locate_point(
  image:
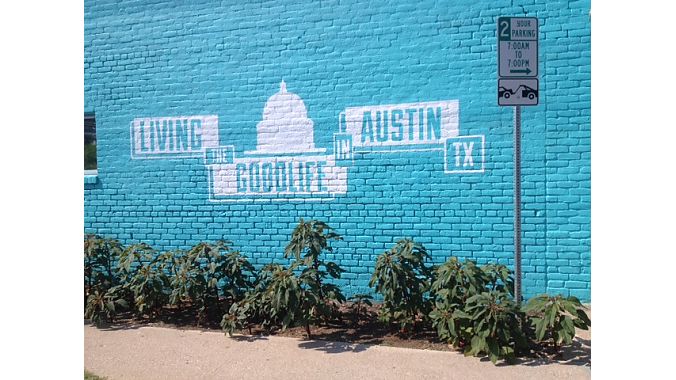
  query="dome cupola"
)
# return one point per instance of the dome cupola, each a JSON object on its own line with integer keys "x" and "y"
{"x": 285, "y": 127}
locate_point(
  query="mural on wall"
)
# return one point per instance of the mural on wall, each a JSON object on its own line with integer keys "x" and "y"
{"x": 426, "y": 126}
{"x": 286, "y": 164}
{"x": 173, "y": 137}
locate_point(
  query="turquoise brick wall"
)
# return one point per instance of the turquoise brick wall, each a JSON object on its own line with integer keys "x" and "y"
{"x": 165, "y": 59}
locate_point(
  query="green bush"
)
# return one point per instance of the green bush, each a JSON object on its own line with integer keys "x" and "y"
{"x": 555, "y": 318}
{"x": 319, "y": 298}
{"x": 474, "y": 309}
{"x": 205, "y": 274}
{"x": 100, "y": 256}
{"x": 494, "y": 326}
{"x": 287, "y": 300}
{"x": 103, "y": 305}
{"x": 299, "y": 294}
{"x": 255, "y": 308}
{"x": 402, "y": 278}
{"x": 100, "y": 279}
{"x": 453, "y": 284}
{"x": 143, "y": 273}
{"x": 498, "y": 278}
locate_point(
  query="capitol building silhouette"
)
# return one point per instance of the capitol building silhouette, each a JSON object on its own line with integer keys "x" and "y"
{"x": 285, "y": 127}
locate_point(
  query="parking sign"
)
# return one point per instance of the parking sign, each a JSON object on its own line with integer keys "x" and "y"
{"x": 518, "y": 61}
{"x": 518, "y": 47}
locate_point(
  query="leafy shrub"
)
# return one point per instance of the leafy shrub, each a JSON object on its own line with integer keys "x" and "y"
{"x": 474, "y": 309}
{"x": 494, "y": 322}
{"x": 100, "y": 280}
{"x": 103, "y": 305}
{"x": 299, "y": 294}
{"x": 402, "y": 278}
{"x": 498, "y": 278}
{"x": 308, "y": 241}
{"x": 555, "y": 318}
{"x": 285, "y": 300}
{"x": 205, "y": 273}
{"x": 255, "y": 307}
{"x": 447, "y": 319}
{"x": 320, "y": 299}
{"x": 238, "y": 271}
{"x": 100, "y": 255}
{"x": 454, "y": 283}
{"x": 143, "y": 273}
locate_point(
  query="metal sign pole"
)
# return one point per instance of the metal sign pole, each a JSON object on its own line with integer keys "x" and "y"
{"x": 518, "y": 86}
{"x": 517, "y": 204}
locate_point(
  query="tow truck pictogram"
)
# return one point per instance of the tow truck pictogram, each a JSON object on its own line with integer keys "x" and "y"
{"x": 525, "y": 92}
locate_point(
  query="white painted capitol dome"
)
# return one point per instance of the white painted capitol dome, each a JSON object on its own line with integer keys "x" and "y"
{"x": 285, "y": 127}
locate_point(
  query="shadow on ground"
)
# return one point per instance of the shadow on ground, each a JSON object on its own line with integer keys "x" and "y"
{"x": 334, "y": 340}
{"x": 578, "y": 354}
{"x": 333, "y": 347}
{"x": 171, "y": 317}
{"x": 112, "y": 326}
{"x": 248, "y": 338}
{"x": 341, "y": 337}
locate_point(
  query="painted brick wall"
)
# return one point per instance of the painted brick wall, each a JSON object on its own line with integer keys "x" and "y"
{"x": 146, "y": 59}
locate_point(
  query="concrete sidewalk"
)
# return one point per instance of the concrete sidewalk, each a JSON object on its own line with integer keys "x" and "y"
{"x": 166, "y": 353}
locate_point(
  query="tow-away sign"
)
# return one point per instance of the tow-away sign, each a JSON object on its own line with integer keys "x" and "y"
{"x": 518, "y": 47}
